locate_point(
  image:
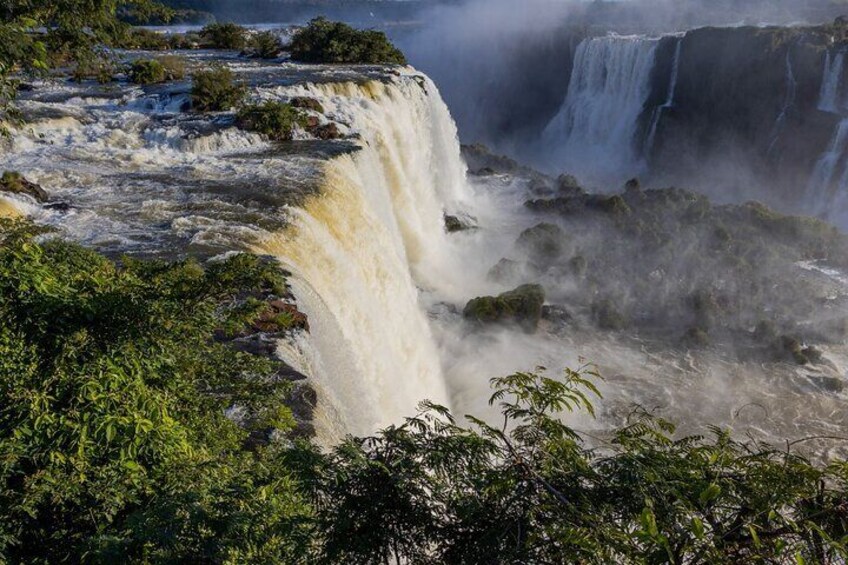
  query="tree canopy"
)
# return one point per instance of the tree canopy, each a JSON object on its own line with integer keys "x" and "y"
{"x": 121, "y": 440}
{"x": 323, "y": 41}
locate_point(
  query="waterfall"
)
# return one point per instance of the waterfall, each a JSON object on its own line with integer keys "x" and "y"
{"x": 830, "y": 88}
{"x": 823, "y": 186}
{"x": 824, "y": 173}
{"x": 669, "y": 101}
{"x": 593, "y": 133}
{"x": 788, "y": 102}
{"x": 361, "y": 248}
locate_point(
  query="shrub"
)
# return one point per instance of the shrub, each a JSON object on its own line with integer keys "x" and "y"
{"x": 224, "y": 36}
{"x": 100, "y": 70}
{"x": 274, "y": 119}
{"x": 184, "y": 41}
{"x": 114, "y": 442}
{"x": 144, "y": 39}
{"x": 265, "y": 45}
{"x": 152, "y": 71}
{"x": 149, "y": 71}
{"x": 216, "y": 90}
{"x": 323, "y": 41}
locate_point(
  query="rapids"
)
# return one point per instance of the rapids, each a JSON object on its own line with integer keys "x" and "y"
{"x": 360, "y": 224}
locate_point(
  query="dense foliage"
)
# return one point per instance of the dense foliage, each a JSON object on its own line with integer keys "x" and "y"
{"x": 115, "y": 446}
{"x": 216, "y": 90}
{"x": 38, "y": 34}
{"x": 152, "y": 71}
{"x": 323, "y": 41}
{"x": 276, "y": 120}
{"x": 224, "y": 36}
{"x": 265, "y": 45}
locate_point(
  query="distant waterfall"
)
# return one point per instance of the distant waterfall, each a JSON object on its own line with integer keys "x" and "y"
{"x": 827, "y": 186}
{"x": 788, "y": 101}
{"x": 669, "y": 101}
{"x": 593, "y": 133}
{"x": 829, "y": 96}
{"x": 361, "y": 247}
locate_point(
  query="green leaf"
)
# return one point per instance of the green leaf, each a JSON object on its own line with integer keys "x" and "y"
{"x": 709, "y": 494}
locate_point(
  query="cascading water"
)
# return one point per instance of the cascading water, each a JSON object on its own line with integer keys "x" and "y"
{"x": 593, "y": 133}
{"x": 363, "y": 244}
{"x": 826, "y": 186}
{"x": 669, "y": 102}
{"x": 829, "y": 100}
{"x": 788, "y": 102}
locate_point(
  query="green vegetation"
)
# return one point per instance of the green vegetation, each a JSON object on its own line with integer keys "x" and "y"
{"x": 152, "y": 71}
{"x": 265, "y": 45}
{"x": 114, "y": 444}
{"x": 216, "y": 90}
{"x": 276, "y": 120}
{"x": 35, "y": 36}
{"x": 522, "y": 306}
{"x": 144, "y": 39}
{"x": 323, "y": 41}
{"x": 224, "y": 36}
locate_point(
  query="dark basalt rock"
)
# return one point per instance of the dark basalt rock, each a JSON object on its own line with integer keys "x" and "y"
{"x": 544, "y": 243}
{"x": 326, "y": 131}
{"x": 455, "y": 224}
{"x": 506, "y": 270}
{"x": 15, "y": 183}
{"x": 522, "y": 306}
{"x": 608, "y": 316}
{"x": 305, "y": 103}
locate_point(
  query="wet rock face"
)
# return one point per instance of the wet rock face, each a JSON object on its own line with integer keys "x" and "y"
{"x": 522, "y": 306}
{"x": 746, "y": 99}
{"x": 15, "y": 183}
{"x": 543, "y": 244}
{"x": 305, "y": 103}
{"x": 669, "y": 265}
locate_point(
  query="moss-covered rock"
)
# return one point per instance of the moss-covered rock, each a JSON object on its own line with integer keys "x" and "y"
{"x": 608, "y": 316}
{"x": 522, "y": 306}
{"x": 15, "y": 183}
{"x": 306, "y": 103}
{"x": 543, "y": 243}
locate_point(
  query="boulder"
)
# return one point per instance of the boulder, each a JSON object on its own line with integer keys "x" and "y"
{"x": 306, "y": 103}
{"x": 15, "y": 183}
{"x": 568, "y": 186}
{"x": 522, "y": 306}
{"x": 455, "y": 224}
{"x": 544, "y": 243}
{"x": 608, "y": 316}
{"x": 505, "y": 270}
{"x": 326, "y": 131}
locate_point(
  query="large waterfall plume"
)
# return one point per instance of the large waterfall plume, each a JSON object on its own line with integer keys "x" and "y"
{"x": 594, "y": 132}
{"x": 361, "y": 248}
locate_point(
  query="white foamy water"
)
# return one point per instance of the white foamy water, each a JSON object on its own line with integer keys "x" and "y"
{"x": 598, "y": 120}
{"x": 361, "y": 248}
{"x": 363, "y": 233}
{"x": 830, "y": 94}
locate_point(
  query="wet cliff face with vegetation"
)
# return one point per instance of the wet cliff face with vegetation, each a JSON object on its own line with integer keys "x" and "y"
{"x": 146, "y": 414}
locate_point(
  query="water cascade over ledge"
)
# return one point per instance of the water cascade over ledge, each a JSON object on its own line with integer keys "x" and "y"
{"x": 361, "y": 247}
{"x": 599, "y": 117}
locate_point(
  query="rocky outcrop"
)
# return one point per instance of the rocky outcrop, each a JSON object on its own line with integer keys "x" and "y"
{"x": 15, "y": 183}
{"x": 522, "y": 306}
{"x": 744, "y": 112}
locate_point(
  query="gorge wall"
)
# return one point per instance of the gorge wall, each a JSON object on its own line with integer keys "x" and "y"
{"x": 737, "y": 113}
